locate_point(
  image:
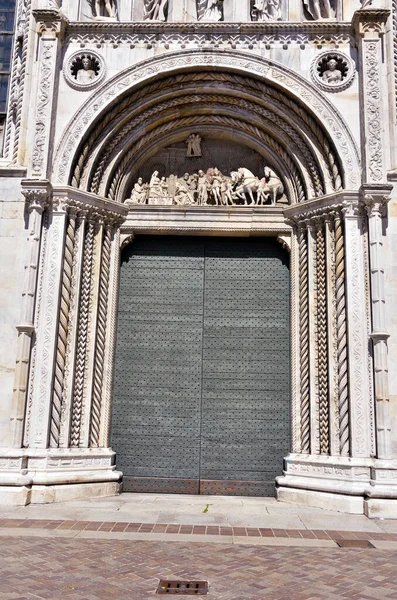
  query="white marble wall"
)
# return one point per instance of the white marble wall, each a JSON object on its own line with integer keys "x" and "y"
{"x": 12, "y": 252}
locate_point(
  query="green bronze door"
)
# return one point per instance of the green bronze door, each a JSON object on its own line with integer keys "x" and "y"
{"x": 201, "y": 398}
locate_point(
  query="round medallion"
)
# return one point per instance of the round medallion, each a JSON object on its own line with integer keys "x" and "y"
{"x": 84, "y": 70}
{"x": 332, "y": 71}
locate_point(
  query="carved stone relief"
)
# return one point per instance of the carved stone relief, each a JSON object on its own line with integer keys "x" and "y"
{"x": 211, "y": 187}
{"x": 333, "y": 71}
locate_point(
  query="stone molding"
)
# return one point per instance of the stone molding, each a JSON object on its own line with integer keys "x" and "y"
{"x": 212, "y": 35}
{"x": 179, "y": 61}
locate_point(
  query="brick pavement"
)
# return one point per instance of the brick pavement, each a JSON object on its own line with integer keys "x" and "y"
{"x": 156, "y": 528}
{"x": 80, "y": 569}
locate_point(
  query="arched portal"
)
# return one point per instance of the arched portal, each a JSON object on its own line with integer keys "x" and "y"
{"x": 144, "y": 115}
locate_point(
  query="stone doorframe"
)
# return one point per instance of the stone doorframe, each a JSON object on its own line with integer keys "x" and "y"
{"x": 340, "y": 447}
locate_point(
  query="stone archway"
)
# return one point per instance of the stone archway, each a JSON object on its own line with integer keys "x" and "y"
{"x": 284, "y": 119}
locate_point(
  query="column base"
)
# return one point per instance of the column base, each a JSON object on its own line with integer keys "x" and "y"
{"x": 15, "y": 495}
{"x": 353, "y": 505}
{"x": 37, "y": 476}
{"x": 46, "y": 494}
{"x": 350, "y": 485}
{"x": 380, "y": 508}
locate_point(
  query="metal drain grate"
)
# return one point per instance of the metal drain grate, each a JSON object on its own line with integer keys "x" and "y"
{"x": 354, "y": 544}
{"x": 189, "y": 588}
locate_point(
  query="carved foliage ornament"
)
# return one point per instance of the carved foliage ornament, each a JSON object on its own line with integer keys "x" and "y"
{"x": 333, "y": 71}
{"x": 84, "y": 70}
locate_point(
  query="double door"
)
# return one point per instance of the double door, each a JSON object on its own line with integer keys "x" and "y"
{"x": 201, "y": 398}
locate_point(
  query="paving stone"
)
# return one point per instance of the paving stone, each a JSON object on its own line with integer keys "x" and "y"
{"x": 82, "y": 569}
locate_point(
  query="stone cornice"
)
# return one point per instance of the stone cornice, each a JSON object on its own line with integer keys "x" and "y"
{"x": 258, "y": 28}
{"x": 320, "y": 206}
{"x": 284, "y": 33}
{"x": 91, "y": 204}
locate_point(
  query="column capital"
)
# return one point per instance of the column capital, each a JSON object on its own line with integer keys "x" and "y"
{"x": 51, "y": 23}
{"x": 37, "y": 194}
{"x": 375, "y": 198}
{"x": 370, "y": 22}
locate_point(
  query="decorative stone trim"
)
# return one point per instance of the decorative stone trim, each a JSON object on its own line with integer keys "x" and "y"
{"x": 75, "y": 65}
{"x": 211, "y": 35}
{"x": 344, "y": 65}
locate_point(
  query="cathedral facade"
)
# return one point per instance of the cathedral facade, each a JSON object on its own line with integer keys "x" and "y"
{"x": 198, "y": 232}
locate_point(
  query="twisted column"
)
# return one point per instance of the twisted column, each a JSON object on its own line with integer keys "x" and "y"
{"x": 82, "y": 335}
{"x": 343, "y": 388}
{"x": 96, "y": 406}
{"x": 111, "y": 338}
{"x": 62, "y": 332}
{"x": 322, "y": 340}
{"x": 304, "y": 339}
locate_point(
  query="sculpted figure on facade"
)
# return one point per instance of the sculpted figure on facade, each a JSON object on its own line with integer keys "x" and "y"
{"x": 209, "y": 188}
{"x": 266, "y": 10}
{"x": 210, "y": 10}
{"x": 86, "y": 73}
{"x": 193, "y": 146}
{"x": 105, "y": 9}
{"x": 155, "y": 10}
{"x": 333, "y": 74}
{"x": 320, "y": 9}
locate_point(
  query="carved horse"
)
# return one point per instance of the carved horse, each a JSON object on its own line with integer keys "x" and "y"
{"x": 245, "y": 184}
{"x": 271, "y": 186}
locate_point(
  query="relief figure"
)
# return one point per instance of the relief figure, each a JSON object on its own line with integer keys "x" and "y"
{"x": 320, "y": 9}
{"x": 86, "y": 73}
{"x": 210, "y": 10}
{"x": 155, "y": 10}
{"x": 104, "y": 9}
{"x": 333, "y": 74}
{"x": 209, "y": 188}
{"x": 266, "y": 10}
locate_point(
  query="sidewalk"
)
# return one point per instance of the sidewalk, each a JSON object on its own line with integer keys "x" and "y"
{"x": 221, "y": 519}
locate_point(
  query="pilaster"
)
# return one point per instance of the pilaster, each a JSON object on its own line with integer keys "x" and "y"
{"x": 50, "y": 29}
{"x": 47, "y": 328}
{"x": 36, "y": 194}
{"x": 375, "y": 199}
{"x": 359, "y": 389}
{"x": 369, "y": 24}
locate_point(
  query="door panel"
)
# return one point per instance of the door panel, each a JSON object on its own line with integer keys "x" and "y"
{"x": 201, "y": 400}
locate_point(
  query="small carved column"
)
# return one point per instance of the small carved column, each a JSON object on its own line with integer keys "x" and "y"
{"x": 36, "y": 198}
{"x": 322, "y": 336}
{"x": 304, "y": 372}
{"x": 111, "y": 328}
{"x": 341, "y": 338}
{"x": 51, "y": 25}
{"x": 376, "y": 208}
{"x": 369, "y": 24}
{"x": 334, "y": 445}
{"x": 313, "y": 337}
